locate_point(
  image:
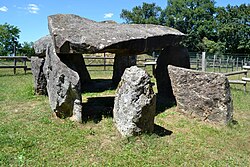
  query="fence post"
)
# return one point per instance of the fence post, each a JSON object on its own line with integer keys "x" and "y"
{"x": 233, "y": 63}
{"x": 203, "y": 61}
{"x": 227, "y": 64}
{"x": 14, "y": 50}
{"x": 25, "y": 66}
{"x": 197, "y": 62}
{"x": 237, "y": 63}
{"x": 14, "y": 65}
{"x": 104, "y": 61}
{"x": 245, "y": 62}
{"x": 214, "y": 62}
{"x": 220, "y": 65}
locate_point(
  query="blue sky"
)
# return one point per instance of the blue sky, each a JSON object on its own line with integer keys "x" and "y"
{"x": 30, "y": 16}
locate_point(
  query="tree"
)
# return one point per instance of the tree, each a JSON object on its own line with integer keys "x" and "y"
{"x": 194, "y": 18}
{"x": 9, "y": 36}
{"x": 233, "y": 28}
{"x": 209, "y": 28}
{"x": 145, "y": 14}
{"x": 213, "y": 47}
{"x": 27, "y": 49}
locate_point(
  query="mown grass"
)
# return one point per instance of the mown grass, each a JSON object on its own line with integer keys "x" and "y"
{"x": 30, "y": 136}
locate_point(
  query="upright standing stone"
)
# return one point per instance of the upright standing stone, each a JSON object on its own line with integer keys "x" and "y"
{"x": 172, "y": 55}
{"x": 134, "y": 107}
{"x": 38, "y": 75}
{"x": 121, "y": 62}
{"x": 202, "y": 94}
{"x": 63, "y": 85}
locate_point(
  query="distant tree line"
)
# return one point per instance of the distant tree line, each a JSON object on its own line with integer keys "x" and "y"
{"x": 209, "y": 28}
{"x": 9, "y": 44}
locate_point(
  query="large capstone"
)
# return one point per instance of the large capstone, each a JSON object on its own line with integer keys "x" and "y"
{"x": 201, "y": 94}
{"x": 38, "y": 75}
{"x": 74, "y": 34}
{"x": 172, "y": 55}
{"x": 134, "y": 106}
{"x": 63, "y": 86}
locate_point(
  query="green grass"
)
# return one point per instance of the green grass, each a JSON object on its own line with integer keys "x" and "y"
{"x": 30, "y": 136}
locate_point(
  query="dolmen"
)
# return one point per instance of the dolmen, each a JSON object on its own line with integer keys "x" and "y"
{"x": 60, "y": 62}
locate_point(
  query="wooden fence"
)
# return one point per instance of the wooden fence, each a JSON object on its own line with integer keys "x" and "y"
{"x": 92, "y": 61}
{"x": 215, "y": 64}
{"x": 15, "y": 59}
{"x": 103, "y": 62}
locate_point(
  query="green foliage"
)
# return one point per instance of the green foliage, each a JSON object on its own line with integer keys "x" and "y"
{"x": 209, "y": 28}
{"x": 27, "y": 49}
{"x": 213, "y": 47}
{"x": 192, "y": 17}
{"x": 233, "y": 28}
{"x": 145, "y": 14}
{"x": 9, "y": 35}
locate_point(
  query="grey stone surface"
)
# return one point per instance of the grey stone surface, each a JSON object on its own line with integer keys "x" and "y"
{"x": 63, "y": 86}
{"x": 121, "y": 62}
{"x": 172, "y": 55}
{"x": 41, "y": 44}
{"x": 135, "y": 103}
{"x": 203, "y": 95}
{"x": 38, "y": 75}
{"x": 77, "y": 63}
{"x": 74, "y": 34}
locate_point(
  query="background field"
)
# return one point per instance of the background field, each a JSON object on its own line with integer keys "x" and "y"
{"x": 30, "y": 136}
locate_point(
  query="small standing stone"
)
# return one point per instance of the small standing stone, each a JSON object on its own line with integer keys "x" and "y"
{"x": 121, "y": 62}
{"x": 201, "y": 94}
{"x": 135, "y": 103}
{"x": 38, "y": 75}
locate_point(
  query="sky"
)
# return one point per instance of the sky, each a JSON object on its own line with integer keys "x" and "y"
{"x": 30, "y": 16}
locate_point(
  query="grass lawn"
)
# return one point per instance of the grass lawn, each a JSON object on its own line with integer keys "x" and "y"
{"x": 30, "y": 136}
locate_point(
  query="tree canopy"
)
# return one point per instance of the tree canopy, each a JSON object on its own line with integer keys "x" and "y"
{"x": 145, "y": 14}
{"x": 27, "y": 49}
{"x": 9, "y": 35}
{"x": 209, "y": 28}
{"x": 9, "y": 43}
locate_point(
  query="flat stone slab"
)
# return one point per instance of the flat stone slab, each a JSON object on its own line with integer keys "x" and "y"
{"x": 74, "y": 34}
{"x": 203, "y": 95}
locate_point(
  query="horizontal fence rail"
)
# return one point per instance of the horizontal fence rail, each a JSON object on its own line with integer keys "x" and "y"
{"x": 15, "y": 60}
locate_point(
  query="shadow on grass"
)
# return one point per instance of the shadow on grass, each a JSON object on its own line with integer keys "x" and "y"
{"x": 161, "y": 132}
{"x": 163, "y": 103}
{"x": 99, "y": 85}
{"x": 98, "y": 107}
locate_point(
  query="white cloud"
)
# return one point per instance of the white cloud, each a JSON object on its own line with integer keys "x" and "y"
{"x": 33, "y": 8}
{"x": 108, "y": 15}
{"x": 3, "y": 9}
